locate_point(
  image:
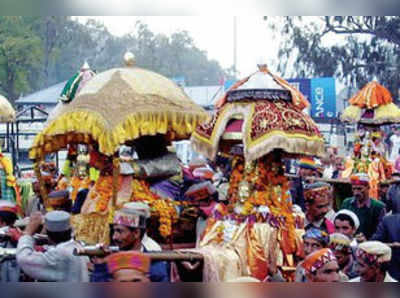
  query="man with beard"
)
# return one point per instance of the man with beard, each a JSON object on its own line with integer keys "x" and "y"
{"x": 321, "y": 266}
{"x": 129, "y": 234}
{"x": 372, "y": 262}
{"x": 369, "y": 211}
{"x": 317, "y": 197}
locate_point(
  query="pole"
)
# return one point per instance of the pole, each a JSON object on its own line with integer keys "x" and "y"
{"x": 235, "y": 44}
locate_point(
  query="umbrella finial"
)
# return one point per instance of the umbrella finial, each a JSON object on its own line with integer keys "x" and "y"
{"x": 129, "y": 59}
{"x": 85, "y": 66}
{"x": 262, "y": 64}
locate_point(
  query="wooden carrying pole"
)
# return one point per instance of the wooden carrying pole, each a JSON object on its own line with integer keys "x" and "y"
{"x": 116, "y": 172}
{"x": 38, "y": 173}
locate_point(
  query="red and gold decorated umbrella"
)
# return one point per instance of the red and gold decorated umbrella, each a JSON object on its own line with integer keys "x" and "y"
{"x": 373, "y": 104}
{"x": 263, "y": 119}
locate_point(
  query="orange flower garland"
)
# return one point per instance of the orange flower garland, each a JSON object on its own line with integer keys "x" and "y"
{"x": 163, "y": 208}
{"x": 269, "y": 188}
{"x": 77, "y": 184}
{"x": 103, "y": 190}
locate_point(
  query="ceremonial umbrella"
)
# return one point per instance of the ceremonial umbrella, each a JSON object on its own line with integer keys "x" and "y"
{"x": 7, "y": 112}
{"x": 264, "y": 113}
{"x": 120, "y": 105}
{"x": 372, "y": 105}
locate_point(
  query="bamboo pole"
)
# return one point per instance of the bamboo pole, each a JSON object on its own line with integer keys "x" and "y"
{"x": 116, "y": 172}
{"x": 43, "y": 191}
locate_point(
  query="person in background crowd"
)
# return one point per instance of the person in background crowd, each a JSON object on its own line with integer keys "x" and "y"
{"x": 339, "y": 168}
{"x": 129, "y": 266}
{"x": 382, "y": 191}
{"x": 58, "y": 263}
{"x": 340, "y": 245}
{"x": 397, "y": 163}
{"x": 317, "y": 200}
{"x": 9, "y": 270}
{"x": 35, "y": 202}
{"x": 347, "y": 223}
{"x": 313, "y": 240}
{"x": 372, "y": 262}
{"x": 129, "y": 234}
{"x": 369, "y": 211}
{"x": 59, "y": 200}
{"x": 321, "y": 266}
{"x": 307, "y": 168}
{"x": 393, "y": 195}
{"x": 395, "y": 145}
{"x": 389, "y": 232}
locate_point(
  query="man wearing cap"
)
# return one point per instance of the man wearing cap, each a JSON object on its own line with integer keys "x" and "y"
{"x": 393, "y": 195}
{"x": 59, "y": 200}
{"x": 389, "y": 232}
{"x": 307, "y": 168}
{"x": 372, "y": 262}
{"x": 58, "y": 263}
{"x": 9, "y": 270}
{"x": 129, "y": 234}
{"x": 129, "y": 266}
{"x": 313, "y": 240}
{"x": 340, "y": 245}
{"x": 318, "y": 197}
{"x": 321, "y": 266}
{"x": 347, "y": 223}
{"x": 369, "y": 211}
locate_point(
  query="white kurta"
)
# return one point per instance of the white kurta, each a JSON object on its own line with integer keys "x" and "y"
{"x": 56, "y": 264}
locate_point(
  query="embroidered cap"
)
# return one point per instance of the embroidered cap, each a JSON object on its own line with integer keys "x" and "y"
{"x": 128, "y": 260}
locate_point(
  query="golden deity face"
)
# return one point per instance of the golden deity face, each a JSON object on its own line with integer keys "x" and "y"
{"x": 244, "y": 191}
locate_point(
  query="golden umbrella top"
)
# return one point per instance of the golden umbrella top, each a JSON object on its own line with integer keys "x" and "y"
{"x": 120, "y": 105}
{"x": 7, "y": 112}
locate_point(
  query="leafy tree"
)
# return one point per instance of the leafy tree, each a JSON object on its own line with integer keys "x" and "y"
{"x": 353, "y": 49}
{"x": 20, "y": 56}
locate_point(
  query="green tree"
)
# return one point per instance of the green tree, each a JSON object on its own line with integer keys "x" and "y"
{"x": 20, "y": 56}
{"x": 353, "y": 49}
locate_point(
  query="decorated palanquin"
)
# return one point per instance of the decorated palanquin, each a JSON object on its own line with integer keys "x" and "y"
{"x": 9, "y": 189}
{"x": 260, "y": 123}
{"x": 370, "y": 108}
{"x": 122, "y": 106}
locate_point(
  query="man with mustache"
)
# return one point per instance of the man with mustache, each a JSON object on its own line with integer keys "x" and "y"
{"x": 129, "y": 234}
{"x": 369, "y": 211}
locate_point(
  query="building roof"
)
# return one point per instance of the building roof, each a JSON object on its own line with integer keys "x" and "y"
{"x": 48, "y": 96}
{"x": 202, "y": 95}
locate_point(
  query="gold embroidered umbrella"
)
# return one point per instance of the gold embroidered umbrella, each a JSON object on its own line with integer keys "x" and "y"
{"x": 120, "y": 105}
{"x": 7, "y": 112}
{"x": 263, "y": 113}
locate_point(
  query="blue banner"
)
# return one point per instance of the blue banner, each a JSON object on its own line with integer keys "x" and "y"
{"x": 323, "y": 98}
{"x": 303, "y": 85}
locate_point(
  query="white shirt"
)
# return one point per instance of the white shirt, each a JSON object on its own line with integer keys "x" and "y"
{"x": 395, "y": 140}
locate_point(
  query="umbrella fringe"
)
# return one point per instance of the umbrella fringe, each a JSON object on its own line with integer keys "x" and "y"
{"x": 89, "y": 123}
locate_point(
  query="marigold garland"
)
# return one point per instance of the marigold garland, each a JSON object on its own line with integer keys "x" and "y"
{"x": 103, "y": 190}
{"x": 77, "y": 184}
{"x": 161, "y": 207}
{"x": 269, "y": 188}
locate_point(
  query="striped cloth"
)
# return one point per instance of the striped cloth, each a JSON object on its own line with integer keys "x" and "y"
{"x": 7, "y": 192}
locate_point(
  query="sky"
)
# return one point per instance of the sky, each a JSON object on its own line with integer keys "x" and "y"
{"x": 213, "y": 34}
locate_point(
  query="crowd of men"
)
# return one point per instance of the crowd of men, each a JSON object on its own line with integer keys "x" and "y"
{"x": 358, "y": 241}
